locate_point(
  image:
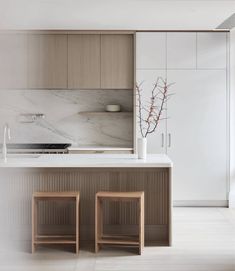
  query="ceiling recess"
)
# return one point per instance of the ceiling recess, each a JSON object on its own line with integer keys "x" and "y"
{"x": 228, "y": 23}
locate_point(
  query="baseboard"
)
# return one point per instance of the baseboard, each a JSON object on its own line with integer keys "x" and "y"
{"x": 201, "y": 203}
{"x": 231, "y": 200}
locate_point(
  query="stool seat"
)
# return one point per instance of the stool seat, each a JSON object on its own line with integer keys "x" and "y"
{"x": 124, "y": 240}
{"x": 125, "y": 195}
{"x": 56, "y": 194}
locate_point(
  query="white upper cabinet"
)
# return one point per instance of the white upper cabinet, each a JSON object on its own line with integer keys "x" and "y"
{"x": 181, "y": 50}
{"x": 211, "y": 50}
{"x": 151, "y": 50}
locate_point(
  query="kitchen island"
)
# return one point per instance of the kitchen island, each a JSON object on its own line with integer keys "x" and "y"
{"x": 22, "y": 175}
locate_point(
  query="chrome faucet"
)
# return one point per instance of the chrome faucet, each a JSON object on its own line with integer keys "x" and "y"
{"x": 6, "y": 133}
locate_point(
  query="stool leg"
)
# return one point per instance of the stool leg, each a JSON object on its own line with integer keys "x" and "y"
{"x": 101, "y": 220}
{"x": 34, "y": 222}
{"x": 97, "y": 211}
{"x": 141, "y": 224}
{"x": 98, "y": 223}
{"x": 77, "y": 225}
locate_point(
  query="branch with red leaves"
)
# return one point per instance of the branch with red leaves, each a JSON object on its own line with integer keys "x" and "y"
{"x": 150, "y": 112}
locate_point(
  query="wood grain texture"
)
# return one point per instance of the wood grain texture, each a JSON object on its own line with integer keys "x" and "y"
{"x": 84, "y": 61}
{"x": 120, "y": 195}
{"x": 47, "y": 61}
{"x": 141, "y": 224}
{"x": 17, "y": 187}
{"x": 117, "y": 61}
{"x": 40, "y": 60}
{"x": 53, "y": 195}
{"x": 56, "y": 197}
{"x": 126, "y": 240}
{"x": 13, "y": 61}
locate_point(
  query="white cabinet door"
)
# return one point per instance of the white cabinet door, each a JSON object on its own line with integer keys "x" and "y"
{"x": 211, "y": 50}
{"x": 197, "y": 124}
{"x": 181, "y": 50}
{"x": 156, "y": 141}
{"x": 151, "y": 50}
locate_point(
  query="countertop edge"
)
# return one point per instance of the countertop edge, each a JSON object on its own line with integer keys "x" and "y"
{"x": 88, "y": 161}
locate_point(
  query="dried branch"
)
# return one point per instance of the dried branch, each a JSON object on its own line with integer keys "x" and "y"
{"x": 140, "y": 109}
{"x": 154, "y": 106}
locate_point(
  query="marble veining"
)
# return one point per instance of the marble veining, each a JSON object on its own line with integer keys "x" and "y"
{"x": 62, "y": 123}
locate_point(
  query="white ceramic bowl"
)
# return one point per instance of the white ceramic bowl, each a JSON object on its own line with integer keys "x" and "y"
{"x": 113, "y": 107}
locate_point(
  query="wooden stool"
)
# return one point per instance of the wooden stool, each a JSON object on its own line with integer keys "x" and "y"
{"x": 54, "y": 239}
{"x": 125, "y": 240}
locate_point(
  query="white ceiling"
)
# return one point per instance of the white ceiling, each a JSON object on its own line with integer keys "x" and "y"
{"x": 114, "y": 14}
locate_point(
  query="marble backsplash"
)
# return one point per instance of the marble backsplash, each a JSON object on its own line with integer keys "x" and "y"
{"x": 62, "y": 122}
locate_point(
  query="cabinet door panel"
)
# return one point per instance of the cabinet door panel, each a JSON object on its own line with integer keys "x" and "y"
{"x": 181, "y": 50}
{"x": 156, "y": 141}
{"x": 47, "y": 61}
{"x": 197, "y": 124}
{"x": 211, "y": 50}
{"x": 83, "y": 61}
{"x": 117, "y": 61}
{"x": 151, "y": 50}
{"x": 13, "y": 61}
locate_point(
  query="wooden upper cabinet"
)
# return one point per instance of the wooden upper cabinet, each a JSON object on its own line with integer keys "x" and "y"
{"x": 47, "y": 61}
{"x": 84, "y": 61}
{"x": 61, "y": 61}
{"x": 13, "y": 61}
{"x": 117, "y": 61}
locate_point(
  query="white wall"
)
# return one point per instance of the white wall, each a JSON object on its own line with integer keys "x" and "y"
{"x": 232, "y": 119}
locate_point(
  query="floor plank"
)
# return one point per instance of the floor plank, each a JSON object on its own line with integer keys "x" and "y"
{"x": 203, "y": 240}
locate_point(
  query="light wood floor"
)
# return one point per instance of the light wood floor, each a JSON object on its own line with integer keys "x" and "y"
{"x": 204, "y": 239}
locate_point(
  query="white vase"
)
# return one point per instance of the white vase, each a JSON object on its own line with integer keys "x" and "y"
{"x": 142, "y": 148}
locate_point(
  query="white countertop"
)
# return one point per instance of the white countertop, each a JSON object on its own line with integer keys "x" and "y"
{"x": 98, "y": 148}
{"x": 86, "y": 161}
